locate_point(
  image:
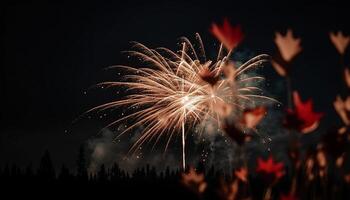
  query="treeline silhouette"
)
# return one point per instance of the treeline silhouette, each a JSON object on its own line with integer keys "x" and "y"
{"x": 149, "y": 183}
{"x": 142, "y": 182}
{"x": 46, "y": 172}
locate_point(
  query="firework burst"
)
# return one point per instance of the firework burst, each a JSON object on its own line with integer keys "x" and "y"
{"x": 174, "y": 91}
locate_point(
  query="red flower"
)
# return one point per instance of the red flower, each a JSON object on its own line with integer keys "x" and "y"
{"x": 227, "y": 34}
{"x": 270, "y": 167}
{"x": 303, "y": 118}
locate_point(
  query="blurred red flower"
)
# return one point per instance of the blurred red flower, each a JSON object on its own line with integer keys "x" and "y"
{"x": 302, "y": 118}
{"x": 227, "y": 34}
{"x": 270, "y": 167}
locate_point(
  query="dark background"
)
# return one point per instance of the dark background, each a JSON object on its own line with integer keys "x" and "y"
{"x": 53, "y": 52}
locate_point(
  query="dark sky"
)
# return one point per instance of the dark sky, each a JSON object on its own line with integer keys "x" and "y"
{"x": 52, "y": 53}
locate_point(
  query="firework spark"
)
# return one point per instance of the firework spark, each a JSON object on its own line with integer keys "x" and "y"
{"x": 177, "y": 90}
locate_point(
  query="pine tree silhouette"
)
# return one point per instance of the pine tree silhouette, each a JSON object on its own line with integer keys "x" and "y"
{"x": 65, "y": 175}
{"x": 29, "y": 171}
{"x": 82, "y": 173}
{"x": 6, "y": 172}
{"x": 46, "y": 169}
{"x": 115, "y": 173}
{"x": 102, "y": 174}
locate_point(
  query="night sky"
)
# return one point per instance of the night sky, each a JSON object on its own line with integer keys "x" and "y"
{"x": 52, "y": 54}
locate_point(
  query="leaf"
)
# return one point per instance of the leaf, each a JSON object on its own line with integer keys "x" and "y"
{"x": 302, "y": 118}
{"x": 252, "y": 117}
{"x": 230, "y": 36}
{"x": 281, "y": 70}
{"x": 270, "y": 167}
{"x": 242, "y": 174}
{"x": 288, "y": 45}
{"x": 347, "y": 76}
{"x": 342, "y": 107}
{"x": 340, "y": 41}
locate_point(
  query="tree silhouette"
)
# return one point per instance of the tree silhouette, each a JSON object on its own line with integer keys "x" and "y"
{"x": 65, "y": 175}
{"x": 29, "y": 171}
{"x": 46, "y": 170}
{"x": 102, "y": 174}
{"x": 6, "y": 172}
{"x": 82, "y": 173}
{"x": 115, "y": 173}
{"x": 147, "y": 178}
